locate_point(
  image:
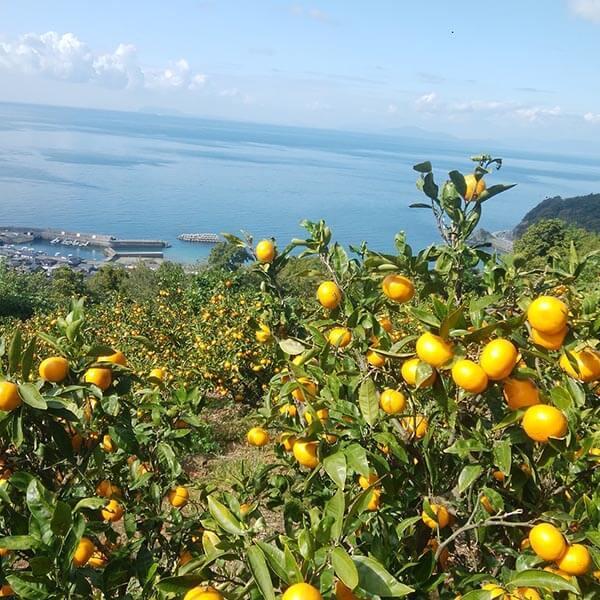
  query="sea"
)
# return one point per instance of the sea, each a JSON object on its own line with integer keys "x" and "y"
{"x": 139, "y": 175}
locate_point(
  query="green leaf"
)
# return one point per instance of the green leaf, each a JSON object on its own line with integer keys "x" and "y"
{"x": 468, "y": 476}
{"x": 27, "y": 360}
{"x": 223, "y": 516}
{"x": 260, "y": 572}
{"x": 335, "y": 467}
{"x": 276, "y": 559}
{"x": 62, "y": 519}
{"x": 344, "y": 567}
{"x": 180, "y": 584}
{"x": 92, "y": 503}
{"x": 357, "y": 459}
{"x": 290, "y": 346}
{"x": 14, "y": 352}
{"x": 167, "y": 458}
{"x": 458, "y": 179}
{"x": 32, "y": 396}
{"x": 367, "y": 400}
{"x": 542, "y": 579}
{"x": 18, "y": 542}
{"x": 503, "y": 456}
{"x": 26, "y": 586}
{"x": 375, "y": 579}
{"x": 334, "y": 508}
{"x": 424, "y": 167}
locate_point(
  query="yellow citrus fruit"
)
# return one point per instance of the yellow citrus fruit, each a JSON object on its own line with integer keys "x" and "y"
{"x": 322, "y": 415}
{"x": 375, "y": 359}
{"x": 498, "y": 358}
{"x": 542, "y": 422}
{"x": 106, "y": 489}
{"x": 263, "y": 334}
{"x": 528, "y": 593}
{"x": 547, "y": 541}
{"x": 398, "y": 288}
{"x": 305, "y": 452}
{"x": 309, "y": 388}
{"x": 107, "y": 444}
{"x": 550, "y": 341}
{"x": 288, "y": 410}
{"x": 9, "y": 396}
{"x": 416, "y": 425}
{"x": 178, "y": 497}
{"x": 442, "y": 517}
{"x": 495, "y": 590}
{"x": 366, "y": 482}
{"x": 265, "y": 251}
{"x": 374, "y": 500}
{"x": 258, "y": 437}
{"x": 474, "y": 187}
{"x": 548, "y": 314}
{"x": 487, "y": 504}
{"x": 158, "y": 373}
{"x": 287, "y": 441}
{"x": 576, "y": 560}
{"x": 54, "y": 369}
{"x": 498, "y": 476}
{"x": 97, "y": 560}
{"x": 302, "y": 591}
{"x": 434, "y": 350}
{"x": 343, "y": 593}
{"x": 339, "y": 337}
{"x": 99, "y": 376}
{"x": 118, "y": 358}
{"x": 409, "y": 373}
{"x": 588, "y": 365}
{"x": 392, "y": 401}
{"x": 202, "y": 592}
{"x": 469, "y": 376}
{"x": 520, "y": 393}
{"x": 112, "y": 512}
{"x": 329, "y": 295}
{"x": 83, "y": 552}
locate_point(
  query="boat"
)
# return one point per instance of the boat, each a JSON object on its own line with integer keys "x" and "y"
{"x": 200, "y": 238}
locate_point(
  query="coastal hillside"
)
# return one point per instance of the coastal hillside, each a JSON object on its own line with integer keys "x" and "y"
{"x": 583, "y": 211}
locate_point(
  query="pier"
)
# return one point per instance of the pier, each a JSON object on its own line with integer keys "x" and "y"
{"x": 199, "y": 238}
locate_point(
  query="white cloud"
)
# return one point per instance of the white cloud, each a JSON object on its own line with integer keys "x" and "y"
{"x": 431, "y": 103}
{"x": 591, "y": 117}
{"x": 65, "y": 57}
{"x": 586, "y": 9}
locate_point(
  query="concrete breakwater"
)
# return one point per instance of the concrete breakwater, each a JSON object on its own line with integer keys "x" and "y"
{"x": 20, "y": 235}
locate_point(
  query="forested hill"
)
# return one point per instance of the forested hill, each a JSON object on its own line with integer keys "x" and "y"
{"x": 583, "y": 211}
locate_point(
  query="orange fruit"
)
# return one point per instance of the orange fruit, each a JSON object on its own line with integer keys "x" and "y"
{"x": 547, "y": 541}
{"x": 107, "y": 444}
{"x": 112, "y": 512}
{"x": 386, "y": 324}
{"x": 329, "y": 295}
{"x": 398, "y": 288}
{"x": 528, "y": 593}
{"x": 442, "y": 517}
{"x": 498, "y": 358}
{"x": 54, "y": 369}
{"x": 520, "y": 393}
{"x": 97, "y": 560}
{"x": 158, "y": 373}
{"x": 434, "y": 350}
{"x": 366, "y": 482}
{"x": 409, "y": 373}
{"x": 257, "y": 436}
{"x": 495, "y": 590}
{"x": 6, "y": 591}
{"x": 563, "y": 574}
{"x": 99, "y": 376}
{"x": 202, "y": 592}
{"x": 287, "y": 441}
{"x": 265, "y": 251}
{"x": 302, "y": 591}
{"x": 486, "y": 503}
{"x": 118, "y": 358}
{"x": 375, "y": 359}
{"x": 106, "y": 489}
{"x": 474, "y": 187}
{"x": 288, "y": 410}
{"x": 305, "y": 452}
{"x": 9, "y": 396}
{"x": 542, "y": 422}
{"x": 374, "y": 500}
{"x": 548, "y": 314}
{"x": 392, "y": 401}
{"x": 309, "y": 388}
{"x": 83, "y": 552}
{"x": 416, "y": 425}
{"x": 263, "y": 334}
{"x": 339, "y": 337}
{"x": 588, "y": 365}
{"x": 178, "y": 497}
{"x": 576, "y": 560}
{"x": 322, "y": 415}
{"x": 469, "y": 376}
{"x": 498, "y": 476}
{"x": 550, "y": 341}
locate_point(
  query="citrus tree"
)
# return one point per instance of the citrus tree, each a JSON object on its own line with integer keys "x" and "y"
{"x": 435, "y": 421}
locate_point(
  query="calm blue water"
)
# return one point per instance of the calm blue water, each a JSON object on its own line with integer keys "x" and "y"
{"x": 146, "y": 176}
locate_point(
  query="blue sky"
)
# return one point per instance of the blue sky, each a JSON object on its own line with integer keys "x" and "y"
{"x": 511, "y": 69}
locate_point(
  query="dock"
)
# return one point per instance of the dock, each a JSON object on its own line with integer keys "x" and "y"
{"x": 199, "y": 238}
